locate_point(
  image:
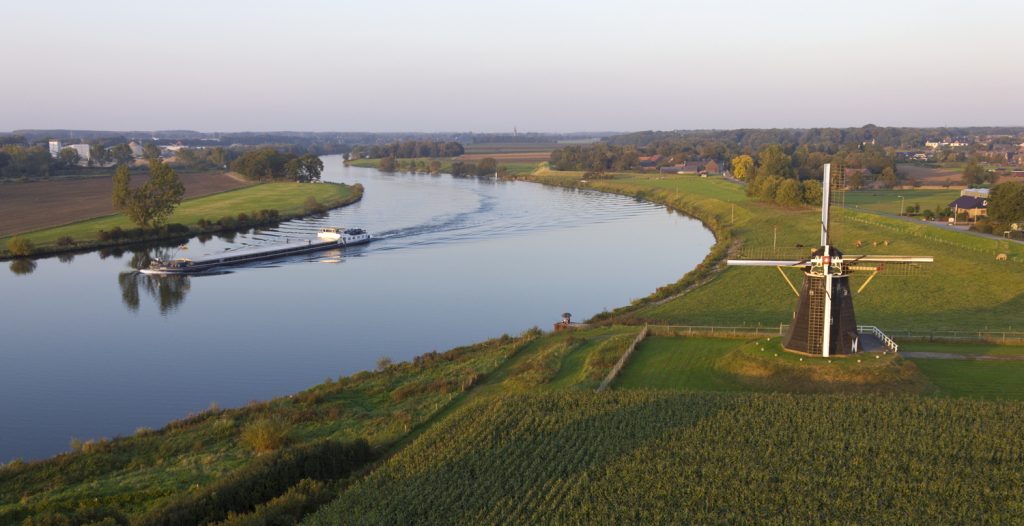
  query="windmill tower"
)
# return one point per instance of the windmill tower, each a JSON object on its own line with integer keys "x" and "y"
{"x": 824, "y": 321}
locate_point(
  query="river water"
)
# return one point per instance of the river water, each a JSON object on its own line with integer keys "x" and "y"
{"x": 89, "y": 348}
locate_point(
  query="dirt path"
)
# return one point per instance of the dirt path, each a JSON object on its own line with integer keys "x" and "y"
{"x": 33, "y": 205}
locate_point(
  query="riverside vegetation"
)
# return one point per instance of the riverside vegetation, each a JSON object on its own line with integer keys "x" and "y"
{"x": 256, "y": 205}
{"x": 511, "y": 431}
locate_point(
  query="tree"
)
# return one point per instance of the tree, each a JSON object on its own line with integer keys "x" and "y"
{"x": 487, "y": 166}
{"x": 773, "y": 161}
{"x": 789, "y": 193}
{"x": 150, "y": 151}
{"x": 1006, "y": 203}
{"x": 97, "y": 154}
{"x": 121, "y": 154}
{"x": 742, "y": 166}
{"x": 304, "y": 169}
{"x": 152, "y": 203}
{"x": 68, "y": 157}
{"x": 122, "y": 186}
{"x": 388, "y": 164}
{"x": 812, "y": 192}
{"x": 975, "y": 173}
{"x": 855, "y": 181}
{"x": 888, "y": 177}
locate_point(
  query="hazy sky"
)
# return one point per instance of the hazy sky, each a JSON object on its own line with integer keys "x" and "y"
{"x": 354, "y": 65}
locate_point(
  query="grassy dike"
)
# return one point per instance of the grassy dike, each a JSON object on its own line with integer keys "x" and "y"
{"x": 290, "y": 200}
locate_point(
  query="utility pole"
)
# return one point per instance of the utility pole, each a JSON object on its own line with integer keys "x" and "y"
{"x": 901, "y": 203}
{"x": 775, "y": 236}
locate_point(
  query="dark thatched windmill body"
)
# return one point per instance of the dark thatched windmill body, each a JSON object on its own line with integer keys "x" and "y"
{"x": 824, "y": 321}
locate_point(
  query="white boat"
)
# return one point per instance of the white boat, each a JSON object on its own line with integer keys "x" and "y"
{"x": 326, "y": 238}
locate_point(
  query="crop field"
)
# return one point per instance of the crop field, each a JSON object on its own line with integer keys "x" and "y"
{"x": 649, "y": 457}
{"x": 286, "y": 198}
{"x": 40, "y": 204}
{"x": 931, "y": 176}
{"x": 518, "y": 157}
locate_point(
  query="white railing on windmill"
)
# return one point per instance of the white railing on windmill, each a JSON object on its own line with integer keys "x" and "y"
{"x": 824, "y": 321}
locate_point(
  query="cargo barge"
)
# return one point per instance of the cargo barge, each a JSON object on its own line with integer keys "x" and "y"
{"x": 327, "y": 238}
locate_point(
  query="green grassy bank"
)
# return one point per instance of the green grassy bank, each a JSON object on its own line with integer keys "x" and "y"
{"x": 290, "y": 200}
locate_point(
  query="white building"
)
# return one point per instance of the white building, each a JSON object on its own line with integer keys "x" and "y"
{"x": 83, "y": 151}
{"x": 55, "y": 147}
{"x": 136, "y": 149}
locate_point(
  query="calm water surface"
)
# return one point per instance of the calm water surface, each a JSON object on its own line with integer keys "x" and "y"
{"x": 90, "y": 348}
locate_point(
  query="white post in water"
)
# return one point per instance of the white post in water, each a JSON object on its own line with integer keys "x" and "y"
{"x": 826, "y": 186}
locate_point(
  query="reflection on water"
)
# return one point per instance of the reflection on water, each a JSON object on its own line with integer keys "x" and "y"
{"x": 168, "y": 291}
{"x": 23, "y": 266}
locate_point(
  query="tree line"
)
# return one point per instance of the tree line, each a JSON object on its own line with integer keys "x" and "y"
{"x": 408, "y": 150}
{"x": 268, "y": 163}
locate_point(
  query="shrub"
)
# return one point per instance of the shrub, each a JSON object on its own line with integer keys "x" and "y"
{"x": 265, "y": 434}
{"x": 288, "y": 508}
{"x": 65, "y": 241}
{"x": 177, "y": 228}
{"x": 134, "y": 233}
{"x": 312, "y": 206}
{"x": 243, "y": 218}
{"x": 20, "y": 247}
{"x": 116, "y": 233}
{"x": 226, "y": 222}
{"x": 204, "y": 223}
{"x": 103, "y": 235}
{"x": 259, "y": 482}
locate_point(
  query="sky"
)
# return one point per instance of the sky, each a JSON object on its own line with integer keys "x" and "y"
{"x": 489, "y": 66}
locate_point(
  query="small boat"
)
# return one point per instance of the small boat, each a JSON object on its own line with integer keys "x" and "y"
{"x": 327, "y": 238}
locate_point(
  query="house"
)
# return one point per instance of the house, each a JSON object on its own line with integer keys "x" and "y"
{"x": 973, "y": 206}
{"x": 55, "y": 147}
{"x": 975, "y": 192}
{"x": 650, "y": 162}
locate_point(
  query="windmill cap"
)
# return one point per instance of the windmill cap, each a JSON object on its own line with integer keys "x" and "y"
{"x": 833, "y": 252}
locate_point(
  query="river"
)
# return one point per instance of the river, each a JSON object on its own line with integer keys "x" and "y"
{"x": 89, "y": 348}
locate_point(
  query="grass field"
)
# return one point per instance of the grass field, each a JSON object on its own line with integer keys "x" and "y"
{"x": 938, "y": 298}
{"x": 287, "y": 198}
{"x": 36, "y": 205}
{"x": 888, "y": 201}
{"x": 976, "y": 379}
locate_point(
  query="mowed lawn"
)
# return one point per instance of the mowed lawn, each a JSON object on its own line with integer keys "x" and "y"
{"x": 287, "y": 198}
{"x": 680, "y": 363}
{"x": 975, "y": 379}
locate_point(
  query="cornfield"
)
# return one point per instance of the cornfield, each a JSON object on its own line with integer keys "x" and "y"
{"x": 659, "y": 457}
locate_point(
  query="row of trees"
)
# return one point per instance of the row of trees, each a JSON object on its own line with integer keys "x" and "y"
{"x": 271, "y": 164}
{"x": 486, "y": 166}
{"x": 408, "y": 150}
{"x": 599, "y": 157}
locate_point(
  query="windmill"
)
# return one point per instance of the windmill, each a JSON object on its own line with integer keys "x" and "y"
{"x": 824, "y": 322}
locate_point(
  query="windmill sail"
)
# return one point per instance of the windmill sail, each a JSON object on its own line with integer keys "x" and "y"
{"x": 824, "y": 321}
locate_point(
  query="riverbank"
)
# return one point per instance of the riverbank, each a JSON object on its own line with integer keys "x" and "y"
{"x": 247, "y": 207}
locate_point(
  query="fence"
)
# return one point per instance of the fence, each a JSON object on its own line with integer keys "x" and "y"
{"x": 622, "y": 360}
{"x": 1000, "y": 337}
{"x": 718, "y": 331}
